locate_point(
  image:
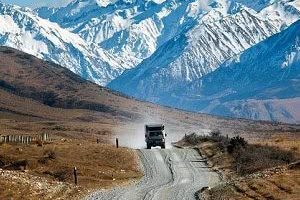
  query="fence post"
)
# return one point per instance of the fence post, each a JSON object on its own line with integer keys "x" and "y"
{"x": 44, "y": 137}
{"x": 117, "y": 142}
{"x": 75, "y": 175}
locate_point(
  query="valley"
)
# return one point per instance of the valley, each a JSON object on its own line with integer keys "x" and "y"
{"x": 42, "y": 97}
{"x": 216, "y": 81}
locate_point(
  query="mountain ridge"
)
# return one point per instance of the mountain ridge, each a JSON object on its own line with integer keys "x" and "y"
{"x": 200, "y": 56}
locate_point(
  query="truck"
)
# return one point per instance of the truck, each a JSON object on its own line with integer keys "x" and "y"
{"x": 155, "y": 135}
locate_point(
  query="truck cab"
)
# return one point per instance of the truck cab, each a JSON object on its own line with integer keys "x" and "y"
{"x": 155, "y": 135}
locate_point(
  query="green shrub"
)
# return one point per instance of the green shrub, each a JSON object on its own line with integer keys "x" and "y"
{"x": 192, "y": 139}
{"x": 236, "y": 143}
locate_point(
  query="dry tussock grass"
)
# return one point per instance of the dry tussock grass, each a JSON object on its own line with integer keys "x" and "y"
{"x": 99, "y": 165}
{"x": 284, "y": 141}
{"x": 245, "y": 158}
{"x": 279, "y": 186}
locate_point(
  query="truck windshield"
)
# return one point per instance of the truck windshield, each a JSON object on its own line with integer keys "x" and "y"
{"x": 155, "y": 128}
{"x": 155, "y": 134}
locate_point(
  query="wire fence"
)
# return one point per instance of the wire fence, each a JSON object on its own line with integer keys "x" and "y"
{"x": 24, "y": 139}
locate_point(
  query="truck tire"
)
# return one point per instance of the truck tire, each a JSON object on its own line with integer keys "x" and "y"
{"x": 163, "y": 146}
{"x": 148, "y": 146}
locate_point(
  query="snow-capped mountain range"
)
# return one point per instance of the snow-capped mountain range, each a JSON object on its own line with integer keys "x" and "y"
{"x": 202, "y": 49}
{"x": 166, "y": 47}
{"x": 261, "y": 83}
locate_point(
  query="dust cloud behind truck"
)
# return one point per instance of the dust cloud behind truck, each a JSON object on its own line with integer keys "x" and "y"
{"x": 155, "y": 135}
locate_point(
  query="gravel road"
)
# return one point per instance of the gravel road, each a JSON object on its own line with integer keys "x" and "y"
{"x": 169, "y": 174}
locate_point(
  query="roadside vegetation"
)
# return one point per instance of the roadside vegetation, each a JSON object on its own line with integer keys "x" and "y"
{"x": 267, "y": 169}
{"x": 246, "y": 158}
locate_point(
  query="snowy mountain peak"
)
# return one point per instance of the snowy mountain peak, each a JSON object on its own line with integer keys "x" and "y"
{"x": 163, "y": 45}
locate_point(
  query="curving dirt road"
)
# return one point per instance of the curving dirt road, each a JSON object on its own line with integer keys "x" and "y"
{"x": 169, "y": 174}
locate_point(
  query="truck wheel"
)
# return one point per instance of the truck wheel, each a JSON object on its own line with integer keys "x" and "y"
{"x": 163, "y": 146}
{"x": 148, "y": 146}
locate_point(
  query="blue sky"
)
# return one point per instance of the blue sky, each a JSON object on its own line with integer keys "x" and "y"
{"x": 37, "y": 3}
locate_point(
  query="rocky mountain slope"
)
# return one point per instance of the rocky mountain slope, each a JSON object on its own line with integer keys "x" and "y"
{"x": 129, "y": 30}
{"x": 132, "y": 30}
{"x": 261, "y": 83}
{"x": 135, "y": 30}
